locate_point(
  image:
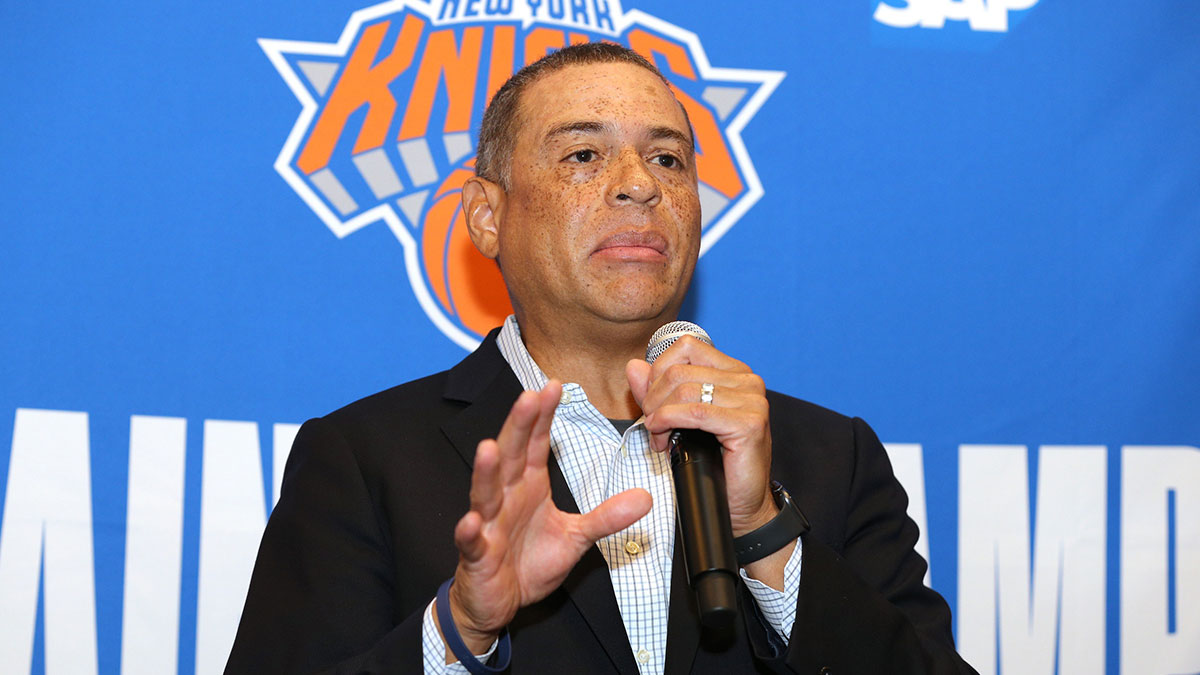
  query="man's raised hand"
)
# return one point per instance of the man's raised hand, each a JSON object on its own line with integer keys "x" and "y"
{"x": 515, "y": 546}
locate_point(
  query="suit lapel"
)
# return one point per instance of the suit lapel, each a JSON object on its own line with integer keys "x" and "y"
{"x": 683, "y": 618}
{"x": 590, "y": 588}
{"x": 482, "y": 419}
{"x": 488, "y": 386}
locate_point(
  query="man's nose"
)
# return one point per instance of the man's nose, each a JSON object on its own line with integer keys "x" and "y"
{"x": 632, "y": 182}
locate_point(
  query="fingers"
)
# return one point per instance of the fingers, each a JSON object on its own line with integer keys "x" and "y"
{"x": 513, "y": 439}
{"x": 523, "y": 440}
{"x": 525, "y": 437}
{"x": 733, "y": 416}
{"x": 614, "y": 514}
{"x": 539, "y": 438}
{"x": 637, "y": 372}
{"x": 722, "y": 422}
{"x": 692, "y": 362}
{"x": 682, "y": 383}
{"x": 692, "y": 351}
{"x": 468, "y": 536}
{"x": 487, "y": 492}
{"x": 674, "y": 389}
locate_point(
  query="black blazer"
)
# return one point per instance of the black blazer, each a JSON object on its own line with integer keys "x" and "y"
{"x": 363, "y": 535}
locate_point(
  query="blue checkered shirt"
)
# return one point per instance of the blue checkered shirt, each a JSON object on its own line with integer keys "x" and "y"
{"x": 598, "y": 463}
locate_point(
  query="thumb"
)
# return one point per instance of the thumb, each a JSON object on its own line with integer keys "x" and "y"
{"x": 637, "y": 372}
{"x": 615, "y": 514}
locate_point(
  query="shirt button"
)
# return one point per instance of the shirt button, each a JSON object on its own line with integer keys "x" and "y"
{"x": 633, "y": 548}
{"x": 643, "y": 656}
{"x": 565, "y": 398}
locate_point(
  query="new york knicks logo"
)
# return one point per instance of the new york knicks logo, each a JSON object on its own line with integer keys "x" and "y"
{"x": 390, "y": 114}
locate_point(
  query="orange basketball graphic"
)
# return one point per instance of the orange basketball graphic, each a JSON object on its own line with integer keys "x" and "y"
{"x": 466, "y": 284}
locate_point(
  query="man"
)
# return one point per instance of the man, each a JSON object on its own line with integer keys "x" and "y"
{"x": 566, "y": 559}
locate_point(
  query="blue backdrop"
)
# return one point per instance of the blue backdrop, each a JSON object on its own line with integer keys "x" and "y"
{"x": 975, "y": 223}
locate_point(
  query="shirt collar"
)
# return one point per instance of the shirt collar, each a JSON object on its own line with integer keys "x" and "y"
{"x": 531, "y": 377}
{"x": 512, "y": 348}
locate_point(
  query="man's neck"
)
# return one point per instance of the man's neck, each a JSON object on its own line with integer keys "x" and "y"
{"x": 592, "y": 358}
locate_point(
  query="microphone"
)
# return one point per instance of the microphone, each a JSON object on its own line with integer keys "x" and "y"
{"x": 701, "y": 503}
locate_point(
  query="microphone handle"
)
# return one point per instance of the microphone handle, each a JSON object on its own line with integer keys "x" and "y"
{"x": 703, "y": 508}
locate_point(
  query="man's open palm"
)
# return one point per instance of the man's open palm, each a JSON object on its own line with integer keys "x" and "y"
{"x": 515, "y": 545}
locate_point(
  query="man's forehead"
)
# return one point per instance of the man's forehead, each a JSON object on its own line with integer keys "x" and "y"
{"x": 600, "y": 98}
{"x": 599, "y": 92}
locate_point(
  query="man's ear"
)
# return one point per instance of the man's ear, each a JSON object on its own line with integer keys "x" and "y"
{"x": 483, "y": 203}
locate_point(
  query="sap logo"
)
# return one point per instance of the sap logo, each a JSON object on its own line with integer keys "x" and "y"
{"x": 980, "y": 15}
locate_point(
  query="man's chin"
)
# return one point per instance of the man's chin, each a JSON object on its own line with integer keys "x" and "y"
{"x": 638, "y": 309}
{"x": 633, "y": 294}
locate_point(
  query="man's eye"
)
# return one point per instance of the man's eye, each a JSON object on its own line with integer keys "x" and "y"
{"x": 667, "y": 161}
{"x": 583, "y": 155}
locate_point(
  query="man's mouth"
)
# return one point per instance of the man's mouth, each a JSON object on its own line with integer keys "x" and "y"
{"x": 633, "y": 246}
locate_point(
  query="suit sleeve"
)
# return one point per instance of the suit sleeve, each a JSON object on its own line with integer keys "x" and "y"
{"x": 321, "y": 598}
{"x": 866, "y": 609}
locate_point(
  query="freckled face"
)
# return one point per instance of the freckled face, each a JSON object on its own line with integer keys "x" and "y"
{"x": 602, "y": 215}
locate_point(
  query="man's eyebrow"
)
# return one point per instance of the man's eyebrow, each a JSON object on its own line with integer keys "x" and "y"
{"x": 590, "y": 127}
{"x": 579, "y": 127}
{"x": 671, "y": 133}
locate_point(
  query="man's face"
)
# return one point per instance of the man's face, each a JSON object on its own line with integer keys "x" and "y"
{"x": 602, "y": 214}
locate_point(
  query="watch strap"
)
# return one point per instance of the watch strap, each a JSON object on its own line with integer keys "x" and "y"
{"x": 782, "y": 530}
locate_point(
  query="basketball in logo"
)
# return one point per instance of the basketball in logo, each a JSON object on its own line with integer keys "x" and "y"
{"x": 391, "y": 113}
{"x": 467, "y": 285}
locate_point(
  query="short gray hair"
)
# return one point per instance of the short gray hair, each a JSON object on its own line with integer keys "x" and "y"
{"x": 497, "y": 134}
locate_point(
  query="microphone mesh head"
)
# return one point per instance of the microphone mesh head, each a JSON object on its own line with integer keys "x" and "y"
{"x": 666, "y": 336}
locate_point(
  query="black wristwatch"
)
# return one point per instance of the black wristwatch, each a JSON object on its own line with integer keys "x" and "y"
{"x": 781, "y": 531}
